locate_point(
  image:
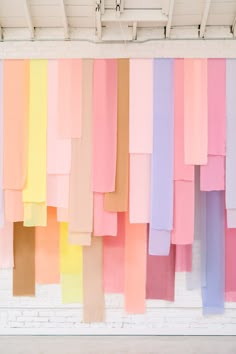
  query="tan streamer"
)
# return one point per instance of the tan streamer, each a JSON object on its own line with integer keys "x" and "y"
{"x": 93, "y": 310}
{"x": 118, "y": 200}
{"x": 81, "y": 196}
{"x": 24, "y": 257}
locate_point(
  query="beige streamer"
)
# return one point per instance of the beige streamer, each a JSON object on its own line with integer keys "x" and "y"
{"x": 93, "y": 292}
{"x": 81, "y": 196}
{"x": 118, "y": 200}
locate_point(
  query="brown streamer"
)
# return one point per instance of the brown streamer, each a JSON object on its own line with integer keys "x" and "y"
{"x": 93, "y": 292}
{"x": 24, "y": 258}
{"x": 118, "y": 200}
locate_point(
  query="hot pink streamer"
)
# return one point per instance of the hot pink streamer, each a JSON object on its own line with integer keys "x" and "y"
{"x": 183, "y": 261}
{"x": 139, "y": 195}
{"x": 6, "y": 246}
{"x": 114, "y": 259}
{"x": 195, "y": 112}
{"x": 104, "y": 125}
{"x": 104, "y": 222}
{"x": 213, "y": 174}
{"x": 141, "y": 106}
{"x": 183, "y": 232}
{"x": 230, "y": 265}
{"x": 70, "y": 98}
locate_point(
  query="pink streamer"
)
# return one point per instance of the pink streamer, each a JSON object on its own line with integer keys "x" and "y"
{"x": 6, "y": 246}
{"x": 105, "y": 223}
{"x": 104, "y": 125}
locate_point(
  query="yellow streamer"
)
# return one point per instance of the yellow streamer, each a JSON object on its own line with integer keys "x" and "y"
{"x": 35, "y": 188}
{"x": 71, "y": 268}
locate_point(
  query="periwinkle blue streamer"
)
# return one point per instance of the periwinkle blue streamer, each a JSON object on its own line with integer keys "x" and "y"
{"x": 214, "y": 291}
{"x": 163, "y": 157}
{"x": 197, "y": 277}
{"x": 1, "y": 148}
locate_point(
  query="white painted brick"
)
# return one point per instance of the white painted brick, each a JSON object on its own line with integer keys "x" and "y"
{"x": 30, "y": 313}
{"x": 58, "y": 319}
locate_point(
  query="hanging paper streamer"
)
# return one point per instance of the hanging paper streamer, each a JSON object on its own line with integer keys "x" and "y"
{"x": 114, "y": 258}
{"x": 135, "y": 266}
{"x": 213, "y": 174}
{"x": 104, "y": 125}
{"x": 162, "y": 197}
{"x": 47, "y": 242}
{"x": 140, "y": 175}
{"x": 216, "y": 106}
{"x": 58, "y": 149}
{"x": 214, "y": 292}
{"x": 35, "y": 188}
{"x": 35, "y": 214}
{"x": 24, "y": 257}
{"x": 58, "y": 191}
{"x": 183, "y": 232}
{"x": 182, "y": 172}
{"x": 161, "y": 276}
{"x": 81, "y": 195}
{"x": 197, "y": 277}
{"x": 6, "y": 246}
{"x": 230, "y": 265}
{"x": 1, "y": 148}
{"x": 195, "y": 111}
{"x": 69, "y": 98}
{"x": 118, "y": 200}
{"x": 93, "y": 293}
{"x": 14, "y": 207}
{"x": 105, "y": 223}
{"x": 231, "y": 143}
{"x": 15, "y": 117}
{"x": 62, "y": 215}
{"x": 141, "y": 106}
{"x": 183, "y": 262}
{"x": 71, "y": 268}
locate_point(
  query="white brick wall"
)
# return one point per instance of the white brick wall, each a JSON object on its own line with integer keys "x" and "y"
{"x": 45, "y": 314}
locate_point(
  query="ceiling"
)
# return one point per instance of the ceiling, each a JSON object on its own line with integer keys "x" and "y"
{"x": 117, "y": 20}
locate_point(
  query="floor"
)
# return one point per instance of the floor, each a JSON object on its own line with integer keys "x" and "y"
{"x": 118, "y": 345}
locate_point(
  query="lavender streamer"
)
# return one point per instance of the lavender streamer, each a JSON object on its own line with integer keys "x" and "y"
{"x": 213, "y": 292}
{"x": 162, "y": 170}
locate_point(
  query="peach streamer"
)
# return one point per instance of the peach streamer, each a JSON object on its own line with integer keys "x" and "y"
{"x": 14, "y": 207}
{"x": 104, "y": 125}
{"x": 70, "y": 98}
{"x": 118, "y": 200}
{"x": 135, "y": 266}
{"x": 195, "y": 112}
{"x": 47, "y": 241}
{"x": 114, "y": 259}
{"x": 93, "y": 292}
{"x": 15, "y": 122}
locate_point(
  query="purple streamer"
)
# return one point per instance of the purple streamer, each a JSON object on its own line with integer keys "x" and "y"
{"x": 213, "y": 293}
{"x": 162, "y": 158}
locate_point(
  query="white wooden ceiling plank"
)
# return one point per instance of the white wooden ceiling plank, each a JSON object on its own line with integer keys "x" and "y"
{"x": 219, "y": 20}
{"x": 186, "y": 20}
{"x": 13, "y": 22}
{"x": 83, "y": 22}
{"x": 73, "y": 10}
{"x": 11, "y": 8}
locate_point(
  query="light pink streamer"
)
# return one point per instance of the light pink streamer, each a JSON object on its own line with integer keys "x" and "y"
{"x": 6, "y": 246}
{"x": 140, "y": 179}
